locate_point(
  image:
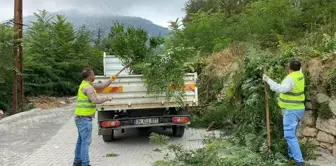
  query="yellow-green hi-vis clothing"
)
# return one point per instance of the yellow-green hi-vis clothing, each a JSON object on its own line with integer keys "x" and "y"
{"x": 84, "y": 106}
{"x": 294, "y": 100}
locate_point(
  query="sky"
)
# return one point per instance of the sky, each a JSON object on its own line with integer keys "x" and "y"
{"x": 158, "y": 11}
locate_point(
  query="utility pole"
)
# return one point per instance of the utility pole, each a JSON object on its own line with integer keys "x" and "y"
{"x": 21, "y": 56}
{"x": 17, "y": 53}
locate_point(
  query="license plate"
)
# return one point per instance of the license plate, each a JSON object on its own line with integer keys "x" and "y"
{"x": 146, "y": 121}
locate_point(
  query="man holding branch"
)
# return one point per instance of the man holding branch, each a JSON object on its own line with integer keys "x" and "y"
{"x": 291, "y": 101}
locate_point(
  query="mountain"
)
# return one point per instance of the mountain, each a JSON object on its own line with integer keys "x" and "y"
{"x": 94, "y": 20}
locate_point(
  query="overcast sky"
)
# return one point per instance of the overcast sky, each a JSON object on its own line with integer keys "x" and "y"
{"x": 158, "y": 11}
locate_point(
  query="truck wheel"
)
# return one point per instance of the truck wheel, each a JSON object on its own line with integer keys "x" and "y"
{"x": 108, "y": 138}
{"x": 178, "y": 131}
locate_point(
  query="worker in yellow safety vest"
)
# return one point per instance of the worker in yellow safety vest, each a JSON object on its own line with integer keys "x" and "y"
{"x": 87, "y": 99}
{"x": 291, "y": 101}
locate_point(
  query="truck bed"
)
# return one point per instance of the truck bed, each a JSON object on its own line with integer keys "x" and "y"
{"x": 129, "y": 92}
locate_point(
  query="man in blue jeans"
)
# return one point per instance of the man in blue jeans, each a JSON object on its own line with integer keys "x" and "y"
{"x": 291, "y": 101}
{"x": 87, "y": 99}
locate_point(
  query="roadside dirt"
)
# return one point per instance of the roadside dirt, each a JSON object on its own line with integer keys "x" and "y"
{"x": 46, "y": 103}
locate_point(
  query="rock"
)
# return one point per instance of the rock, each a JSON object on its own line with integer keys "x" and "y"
{"x": 334, "y": 150}
{"x": 73, "y": 98}
{"x": 322, "y": 98}
{"x": 332, "y": 106}
{"x": 309, "y": 119}
{"x": 326, "y": 138}
{"x": 325, "y": 145}
{"x": 333, "y": 97}
{"x": 313, "y": 141}
{"x": 299, "y": 134}
{"x": 328, "y": 126}
{"x": 322, "y": 150}
{"x": 309, "y": 106}
{"x": 309, "y": 132}
{"x": 67, "y": 100}
{"x": 62, "y": 102}
{"x": 308, "y": 98}
{"x": 331, "y": 149}
{"x": 315, "y": 70}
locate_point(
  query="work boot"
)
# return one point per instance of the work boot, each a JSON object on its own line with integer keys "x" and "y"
{"x": 299, "y": 164}
{"x": 77, "y": 164}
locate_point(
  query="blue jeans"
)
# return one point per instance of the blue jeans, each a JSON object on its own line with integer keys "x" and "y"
{"x": 84, "y": 126}
{"x": 291, "y": 120}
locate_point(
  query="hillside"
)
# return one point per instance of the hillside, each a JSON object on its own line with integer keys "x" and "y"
{"x": 93, "y": 21}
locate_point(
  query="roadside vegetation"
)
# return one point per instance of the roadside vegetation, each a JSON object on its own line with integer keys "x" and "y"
{"x": 229, "y": 44}
{"x": 234, "y": 42}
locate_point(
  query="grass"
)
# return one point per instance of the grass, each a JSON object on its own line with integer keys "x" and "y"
{"x": 112, "y": 155}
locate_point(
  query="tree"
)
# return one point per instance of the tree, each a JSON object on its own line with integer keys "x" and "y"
{"x": 131, "y": 44}
{"x": 98, "y": 40}
{"x": 56, "y": 54}
{"x": 6, "y": 66}
{"x": 228, "y": 7}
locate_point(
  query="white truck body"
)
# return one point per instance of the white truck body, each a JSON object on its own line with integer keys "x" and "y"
{"x": 130, "y": 92}
{"x": 113, "y": 65}
{"x": 132, "y": 107}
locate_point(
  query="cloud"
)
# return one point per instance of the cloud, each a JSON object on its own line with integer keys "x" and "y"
{"x": 158, "y": 11}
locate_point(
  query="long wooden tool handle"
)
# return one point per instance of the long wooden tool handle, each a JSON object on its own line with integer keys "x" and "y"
{"x": 122, "y": 69}
{"x": 267, "y": 116}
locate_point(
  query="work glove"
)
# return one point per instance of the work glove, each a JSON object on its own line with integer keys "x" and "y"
{"x": 265, "y": 78}
{"x": 113, "y": 78}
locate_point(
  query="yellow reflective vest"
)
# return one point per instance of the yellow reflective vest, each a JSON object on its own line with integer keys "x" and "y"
{"x": 84, "y": 106}
{"x": 294, "y": 100}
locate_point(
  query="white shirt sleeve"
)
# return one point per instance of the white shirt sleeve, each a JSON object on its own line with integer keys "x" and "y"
{"x": 286, "y": 86}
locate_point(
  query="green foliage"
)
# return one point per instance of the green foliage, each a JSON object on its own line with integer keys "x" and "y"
{"x": 257, "y": 21}
{"x": 6, "y": 66}
{"x": 209, "y": 86}
{"x": 329, "y": 43}
{"x": 161, "y": 70}
{"x": 158, "y": 139}
{"x": 243, "y": 114}
{"x": 324, "y": 111}
{"x": 160, "y": 67}
{"x": 56, "y": 54}
{"x": 223, "y": 114}
{"x": 279, "y": 30}
{"x": 128, "y": 44}
{"x": 328, "y": 46}
{"x": 104, "y": 22}
{"x": 228, "y": 7}
{"x": 331, "y": 81}
{"x": 227, "y": 152}
{"x": 205, "y": 32}
{"x": 112, "y": 155}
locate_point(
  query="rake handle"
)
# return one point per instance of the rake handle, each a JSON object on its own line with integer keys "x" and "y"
{"x": 122, "y": 69}
{"x": 267, "y": 116}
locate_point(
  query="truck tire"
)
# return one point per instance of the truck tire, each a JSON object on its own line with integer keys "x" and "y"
{"x": 109, "y": 138}
{"x": 178, "y": 131}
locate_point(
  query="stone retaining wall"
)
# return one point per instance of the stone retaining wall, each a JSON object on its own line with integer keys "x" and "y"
{"x": 320, "y": 131}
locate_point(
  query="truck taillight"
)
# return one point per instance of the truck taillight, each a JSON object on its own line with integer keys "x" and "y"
{"x": 180, "y": 120}
{"x": 109, "y": 124}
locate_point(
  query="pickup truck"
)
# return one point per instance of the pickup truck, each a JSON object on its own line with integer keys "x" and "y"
{"x": 133, "y": 107}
